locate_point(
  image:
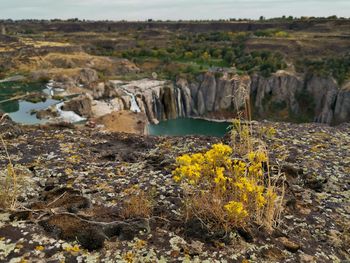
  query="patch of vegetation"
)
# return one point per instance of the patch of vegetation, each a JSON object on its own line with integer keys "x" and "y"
{"x": 271, "y": 33}
{"x": 337, "y": 67}
{"x": 205, "y": 50}
{"x": 264, "y": 62}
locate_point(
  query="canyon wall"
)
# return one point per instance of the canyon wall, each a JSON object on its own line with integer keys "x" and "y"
{"x": 283, "y": 96}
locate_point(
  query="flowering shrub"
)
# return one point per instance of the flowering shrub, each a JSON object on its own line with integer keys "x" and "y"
{"x": 227, "y": 192}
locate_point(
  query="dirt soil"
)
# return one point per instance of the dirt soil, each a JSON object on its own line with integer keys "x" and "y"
{"x": 124, "y": 121}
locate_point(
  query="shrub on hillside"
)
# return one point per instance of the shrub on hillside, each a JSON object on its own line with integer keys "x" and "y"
{"x": 226, "y": 192}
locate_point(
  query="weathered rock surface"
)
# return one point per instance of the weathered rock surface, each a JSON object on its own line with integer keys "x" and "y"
{"x": 8, "y": 128}
{"x": 77, "y": 178}
{"x": 81, "y": 105}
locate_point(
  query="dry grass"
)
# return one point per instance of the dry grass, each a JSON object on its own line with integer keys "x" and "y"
{"x": 137, "y": 204}
{"x": 12, "y": 179}
{"x": 244, "y": 141}
{"x": 8, "y": 183}
{"x": 38, "y": 44}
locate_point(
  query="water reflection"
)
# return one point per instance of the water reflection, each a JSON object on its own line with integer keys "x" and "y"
{"x": 20, "y": 110}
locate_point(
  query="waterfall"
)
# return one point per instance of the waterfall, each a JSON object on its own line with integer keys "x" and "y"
{"x": 69, "y": 116}
{"x": 52, "y": 87}
{"x": 49, "y": 87}
{"x": 134, "y": 106}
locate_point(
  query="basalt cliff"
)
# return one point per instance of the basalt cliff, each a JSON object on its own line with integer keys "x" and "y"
{"x": 284, "y": 96}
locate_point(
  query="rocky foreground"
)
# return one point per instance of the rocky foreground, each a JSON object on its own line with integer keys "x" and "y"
{"x": 73, "y": 180}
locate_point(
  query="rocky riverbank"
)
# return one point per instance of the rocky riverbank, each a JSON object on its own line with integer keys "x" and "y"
{"x": 74, "y": 180}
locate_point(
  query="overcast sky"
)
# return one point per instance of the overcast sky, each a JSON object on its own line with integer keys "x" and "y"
{"x": 169, "y": 9}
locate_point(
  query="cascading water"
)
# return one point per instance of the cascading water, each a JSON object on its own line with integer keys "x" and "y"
{"x": 52, "y": 87}
{"x": 49, "y": 87}
{"x": 134, "y": 106}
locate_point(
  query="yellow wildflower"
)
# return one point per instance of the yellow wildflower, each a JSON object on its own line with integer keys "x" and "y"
{"x": 220, "y": 178}
{"x": 261, "y": 156}
{"x": 39, "y": 248}
{"x": 261, "y": 201}
{"x": 236, "y": 209}
{"x": 184, "y": 160}
{"x": 251, "y": 156}
{"x": 177, "y": 178}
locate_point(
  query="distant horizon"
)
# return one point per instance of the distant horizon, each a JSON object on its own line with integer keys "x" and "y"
{"x": 174, "y": 10}
{"x": 180, "y": 20}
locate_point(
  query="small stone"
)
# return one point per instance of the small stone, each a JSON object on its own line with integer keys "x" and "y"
{"x": 303, "y": 210}
{"x": 196, "y": 247}
{"x": 289, "y": 245}
{"x": 335, "y": 238}
{"x": 305, "y": 258}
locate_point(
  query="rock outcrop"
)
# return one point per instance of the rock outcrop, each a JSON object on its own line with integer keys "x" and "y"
{"x": 287, "y": 96}
{"x": 81, "y": 105}
{"x": 283, "y": 96}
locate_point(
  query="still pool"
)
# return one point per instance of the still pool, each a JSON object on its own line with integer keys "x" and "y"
{"x": 189, "y": 126}
{"x": 21, "y": 111}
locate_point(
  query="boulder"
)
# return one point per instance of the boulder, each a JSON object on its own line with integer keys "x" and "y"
{"x": 289, "y": 244}
{"x": 103, "y": 90}
{"x": 8, "y": 128}
{"x": 117, "y": 104}
{"x": 124, "y": 121}
{"x": 81, "y": 105}
{"x": 47, "y": 113}
{"x": 98, "y": 90}
{"x": 87, "y": 76}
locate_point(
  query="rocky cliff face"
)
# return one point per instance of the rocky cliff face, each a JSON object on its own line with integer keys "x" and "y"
{"x": 283, "y": 96}
{"x": 342, "y": 105}
{"x": 286, "y": 96}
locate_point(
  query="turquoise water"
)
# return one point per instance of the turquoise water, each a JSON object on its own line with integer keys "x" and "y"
{"x": 21, "y": 110}
{"x": 188, "y": 126}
